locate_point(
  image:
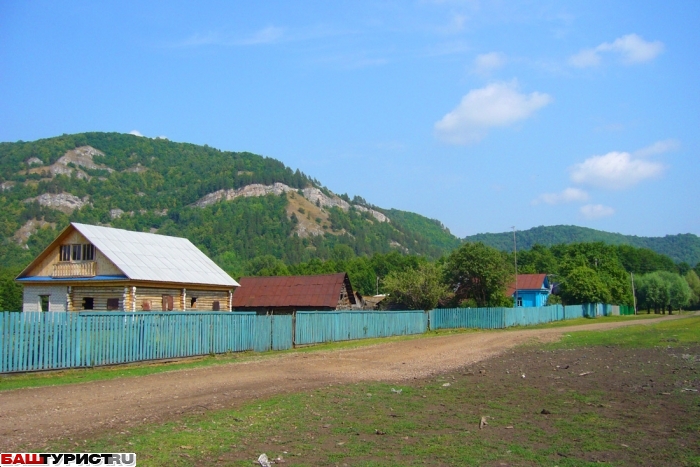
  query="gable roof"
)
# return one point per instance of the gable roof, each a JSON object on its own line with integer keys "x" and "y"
{"x": 527, "y": 282}
{"x": 149, "y": 257}
{"x": 292, "y": 291}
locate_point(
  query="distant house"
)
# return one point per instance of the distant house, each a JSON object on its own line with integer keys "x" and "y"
{"x": 287, "y": 294}
{"x": 532, "y": 290}
{"x": 93, "y": 268}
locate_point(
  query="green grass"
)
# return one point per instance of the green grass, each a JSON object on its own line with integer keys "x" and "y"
{"x": 425, "y": 424}
{"x": 665, "y": 334}
{"x": 366, "y": 424}
{"x": 580, "y": 321}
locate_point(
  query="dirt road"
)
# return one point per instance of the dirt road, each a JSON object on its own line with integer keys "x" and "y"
{"x": 31, "y": 417}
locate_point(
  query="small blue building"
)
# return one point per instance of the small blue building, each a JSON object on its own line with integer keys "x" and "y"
{"x": 532, "y": 290}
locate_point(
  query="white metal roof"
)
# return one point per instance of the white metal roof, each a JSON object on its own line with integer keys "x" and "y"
{"x": 151, "y": 257}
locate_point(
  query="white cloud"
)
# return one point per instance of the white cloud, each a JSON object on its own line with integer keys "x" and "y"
{"x": 498, "y": 104}
{"x": 614, "y": 170}
{"x": 486, "y": 63}
{"x": 566, "y": 196}
{"x": 595, "y": 211}
{"x": 135, "y": 133}
{"x": 631, "y": 49}
{"x": 268, "y": 35}
{"x": 585, "y": 58}
{"x": 659, "y": 147}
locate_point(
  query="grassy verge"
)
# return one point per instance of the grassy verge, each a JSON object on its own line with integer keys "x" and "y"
{"x": 580, "y": 321}
{"x": 436, "y": 421}
{"x": 665, "y": 334}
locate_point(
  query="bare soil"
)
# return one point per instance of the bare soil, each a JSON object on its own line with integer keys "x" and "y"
{"x": 32, "y": 417}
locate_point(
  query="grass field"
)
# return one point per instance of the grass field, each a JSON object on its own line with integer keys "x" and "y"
{"x": 622, "y": 397}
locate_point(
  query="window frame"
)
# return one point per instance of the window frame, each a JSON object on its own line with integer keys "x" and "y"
{"x": 41, "y": 303}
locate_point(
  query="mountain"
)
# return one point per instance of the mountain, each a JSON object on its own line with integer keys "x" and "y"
{"x": 235, "y": 206}
{"x": 680, "y": 248}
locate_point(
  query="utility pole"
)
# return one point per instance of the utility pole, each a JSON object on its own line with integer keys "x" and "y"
{"x": 634, "y": 295}
{"x": 515, "y": 256}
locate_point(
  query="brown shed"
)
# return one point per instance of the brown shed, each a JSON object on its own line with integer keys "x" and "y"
{"x": 287, "y": 294}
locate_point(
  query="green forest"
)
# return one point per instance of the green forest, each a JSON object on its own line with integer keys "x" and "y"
{"x": 680, "y": 248}
{"x": 152, "y": 184}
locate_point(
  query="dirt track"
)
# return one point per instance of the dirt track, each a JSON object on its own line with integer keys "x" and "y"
{"x": 31, "y": 417}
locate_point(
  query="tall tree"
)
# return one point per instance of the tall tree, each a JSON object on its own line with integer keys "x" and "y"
{"x": 478, "y": 272}
{"x": 416, "y": 289}
{"x": 583, "y": 285}
{"x": 694, "y": 283}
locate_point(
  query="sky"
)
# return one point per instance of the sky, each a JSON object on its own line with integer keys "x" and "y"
{"x": 482, "y": 114}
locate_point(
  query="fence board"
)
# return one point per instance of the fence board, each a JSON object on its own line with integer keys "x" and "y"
{"x": 314, "y": 327}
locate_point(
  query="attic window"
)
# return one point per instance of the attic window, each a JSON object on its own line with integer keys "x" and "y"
{"x": 77, "y": 252}
{"x": 88, "y": 252}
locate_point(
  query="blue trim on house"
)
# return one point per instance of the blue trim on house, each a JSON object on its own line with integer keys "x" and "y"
{"x": 71, "y": 279}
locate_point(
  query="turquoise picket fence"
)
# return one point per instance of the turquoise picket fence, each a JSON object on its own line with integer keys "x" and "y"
{"x": 451, "y": 318}
{"x": 32, "y": 341}
{"x": 314, "y": 327}
{"x": 499, "y": 318}
{"x": 42, "y": 341}
{"x": 273, "y": 332}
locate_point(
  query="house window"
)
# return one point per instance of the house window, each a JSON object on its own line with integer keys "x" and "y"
{"x": 65, "y": 252}
{"x": 112, "y": 304}
{"x": 215, "y": 305}
{"x": 167, "y": 303}
{"x": 77, "y": 252}
{"x": 193, "y": 302}
{"x": 88, "y": 303}
{"x": 88, "y": 252}
{"x": 520, "y": 301}
{"x": 44, "y": 302}
{"x": 146, "y": 305}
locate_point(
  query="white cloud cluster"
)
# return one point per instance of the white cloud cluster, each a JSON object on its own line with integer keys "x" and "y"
{"x": 566, "y": 196}
{"x": 659, "y": 147}
{"x": 631, "y": 49}
{"x": 596, "y": 211}
{"x": 614, "y": 170}
{"x": 484, "y": 64}
{"x": 498, "y": 104}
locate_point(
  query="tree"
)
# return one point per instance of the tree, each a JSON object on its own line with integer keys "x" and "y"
{"x": 477, "y": 272}
{"x": 694, "y": 283}
{"x": 583, "y": 285}
{"x": 679, "y": 292}
{"x": 416, "y": 289}
{"x": 653, "y": 292}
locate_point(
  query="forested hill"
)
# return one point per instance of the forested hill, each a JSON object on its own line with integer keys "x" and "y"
{"x": 235, "y": 206}
{"x": 681, "y": 247}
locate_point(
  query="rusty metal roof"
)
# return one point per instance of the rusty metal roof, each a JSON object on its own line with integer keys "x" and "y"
{"x": 527, "y": 282}
{"x": 321, "y": 291}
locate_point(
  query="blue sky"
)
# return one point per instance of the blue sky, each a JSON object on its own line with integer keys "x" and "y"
{"x": 484, "y": 115}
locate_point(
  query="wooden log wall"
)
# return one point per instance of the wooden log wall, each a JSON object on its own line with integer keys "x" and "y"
{"x": 100, "y": 296}
{"x": 155, "y": 297}
{"x": 206, "y": 298}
